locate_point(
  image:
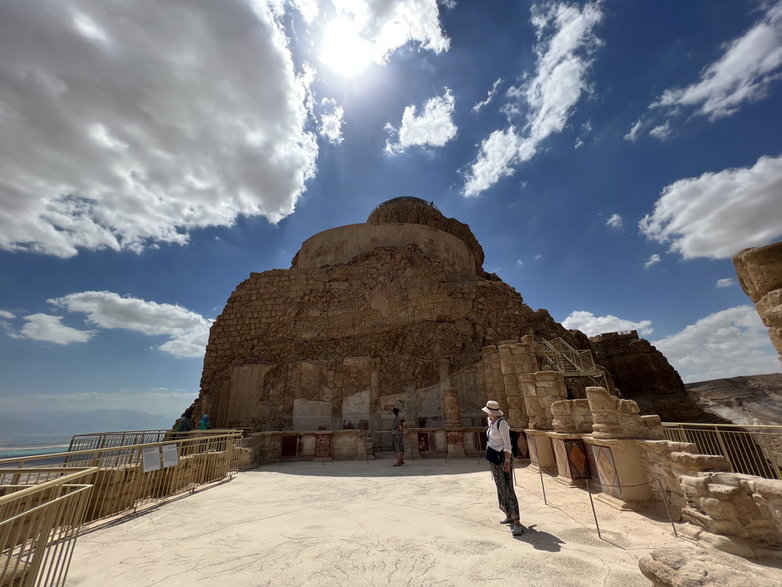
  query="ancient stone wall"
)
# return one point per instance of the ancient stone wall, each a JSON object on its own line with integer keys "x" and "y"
{"x": 342, "y": 244}
{"x": 737, "y": 513}
{"x": 325, "y": 334}
{"x": 759, "y": 271}
{"x": 415, "y": 211}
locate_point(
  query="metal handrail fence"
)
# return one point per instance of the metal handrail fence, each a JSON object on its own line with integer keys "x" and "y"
{"x": 127, "y": 437}
{"x": 130, "y": 476}
{"x": 752, "y": 450}
{"x": 565, "y": 359}
{"x": 41, "y": 513}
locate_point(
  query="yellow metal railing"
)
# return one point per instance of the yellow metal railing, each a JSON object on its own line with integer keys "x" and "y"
{"x": 128, "y": 437}
{"x": 41, "y": 513}
{"x": 130, "y": 476}
{"x": 753, "y": 450}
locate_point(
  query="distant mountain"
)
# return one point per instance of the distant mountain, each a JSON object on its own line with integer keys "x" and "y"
{"x": 57, "y": 422}
{"x": 754, "y": 399}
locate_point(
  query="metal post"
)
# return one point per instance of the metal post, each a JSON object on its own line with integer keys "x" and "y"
{"x": 668, "y": 511}
{"x": 594, "y": 513}
{"x": 542, "y": 486}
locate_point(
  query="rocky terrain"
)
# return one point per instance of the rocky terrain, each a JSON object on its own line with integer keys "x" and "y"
{"x": 755, "y": 399}
{"x": 643, "y": 374}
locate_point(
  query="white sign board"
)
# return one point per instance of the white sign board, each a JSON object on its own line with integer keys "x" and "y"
{"x": 151, "y": 458}
{"x": 170, "y": 456}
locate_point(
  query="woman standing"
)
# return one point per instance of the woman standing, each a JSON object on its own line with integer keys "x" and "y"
{"x": 397, "y": 437}
{"x": 498, "y": 439}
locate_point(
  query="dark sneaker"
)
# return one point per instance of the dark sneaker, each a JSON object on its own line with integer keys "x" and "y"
{"x": 517, "y": 530}
{"x": 506, "y": 521}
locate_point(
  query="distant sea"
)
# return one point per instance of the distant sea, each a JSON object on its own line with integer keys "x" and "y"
{"x": 22, "y": 445}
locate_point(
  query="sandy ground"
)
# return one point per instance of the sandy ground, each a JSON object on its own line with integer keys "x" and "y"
{"x": 428, "y": 522}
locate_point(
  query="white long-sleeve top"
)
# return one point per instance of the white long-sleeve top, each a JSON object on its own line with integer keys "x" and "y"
{"x": 498, "y": 436}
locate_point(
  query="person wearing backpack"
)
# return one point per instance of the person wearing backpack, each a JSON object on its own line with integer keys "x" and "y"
{"x": 499, "y": 453}
{"x": 204, "y": 424}
{"x": 183, "y": 424}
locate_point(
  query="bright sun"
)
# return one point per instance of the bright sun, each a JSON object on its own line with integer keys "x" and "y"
{"x": 343, "y": 50}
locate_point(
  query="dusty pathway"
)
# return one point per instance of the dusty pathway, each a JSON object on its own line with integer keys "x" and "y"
{"x": 367, "y": 523}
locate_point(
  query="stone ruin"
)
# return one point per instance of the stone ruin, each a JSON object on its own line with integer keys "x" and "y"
{"x": 398, "y": 312}
{"x": 371, "y": 316}
{"x": 759, "y": 271}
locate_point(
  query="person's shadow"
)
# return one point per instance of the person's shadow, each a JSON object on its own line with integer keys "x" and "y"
{"x": 540, "y": 540}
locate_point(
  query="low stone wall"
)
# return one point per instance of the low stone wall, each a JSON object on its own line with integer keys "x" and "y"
{"x": 272, "y": 447}
{"x": 668, "y": 461}
{"x": 740, "y": 514}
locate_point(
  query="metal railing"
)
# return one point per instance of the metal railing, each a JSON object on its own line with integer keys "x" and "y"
{"x": 752, "y": 450}
{"x": 128, "y": 437}
{"x": 132, "y": 475}
{"x": 41, "y": 513}
{"x": 558, "y": 355}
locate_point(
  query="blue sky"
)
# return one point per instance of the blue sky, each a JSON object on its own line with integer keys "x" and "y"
{"x": 609, "y": 156}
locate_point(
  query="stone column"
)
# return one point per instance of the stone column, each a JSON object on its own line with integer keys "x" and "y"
{"x": 541, "y": 390}
{"x": 605, "y": 413}
{"x": 509, "y": 363}
{"x": 374, "y": 396}
{"x": 444, "y": 368}
{"x": 496, "y": 388}
{"x": 451, "y": 417}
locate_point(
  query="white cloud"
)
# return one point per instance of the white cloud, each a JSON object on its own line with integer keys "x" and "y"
{"x": 632, "y": 135}
{"x": 718, "y": 214}
{"x": 592, "y": 325}
{"x": 726, "y": 282}
{"x": 743, "y": 74}
{"x": 51, "y": 329}
{"x": 615, "y": 221}
{"x": 565, "y": 43}
{"x": 387, "y": 25}
{"x": 112, "y": 139}
{"x": 519, "y": 262}
{"x": 434, "y": 127}
{"x": 489, "y": 97}
{"x": 188, "y": 331}
{"x": 308, "y": 9}
{"x": 662, "y": 131}
{"x": 653, "y": 260}
{"x": 331, "y": 121}
{"x": 729, "y": 343}
{"x": 498, "y": 152}
{"x": 6, "y": 315}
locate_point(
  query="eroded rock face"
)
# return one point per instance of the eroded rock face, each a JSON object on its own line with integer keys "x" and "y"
{"x": 357, "y": 326}
{"x": 642, "y": 373}
{"x": 754, "y": 399}
{"x": 759, "y": 271}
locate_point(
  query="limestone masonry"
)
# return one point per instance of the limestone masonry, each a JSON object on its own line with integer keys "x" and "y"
{"x": 392, "y": 312}
{"x": 760, "y": 274}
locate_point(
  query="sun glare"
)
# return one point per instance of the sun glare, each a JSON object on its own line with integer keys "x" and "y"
{"x": 343, "y": 50}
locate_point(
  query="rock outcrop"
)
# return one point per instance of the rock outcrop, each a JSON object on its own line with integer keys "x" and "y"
{"x": 755, "y": 399}
{"x": 759, "y": 271}
{"x": 642, "y": 373}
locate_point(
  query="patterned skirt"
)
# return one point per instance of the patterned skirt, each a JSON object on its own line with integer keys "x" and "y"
{"x": 506, "y": 495}
{"x": 398, "y": 441}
